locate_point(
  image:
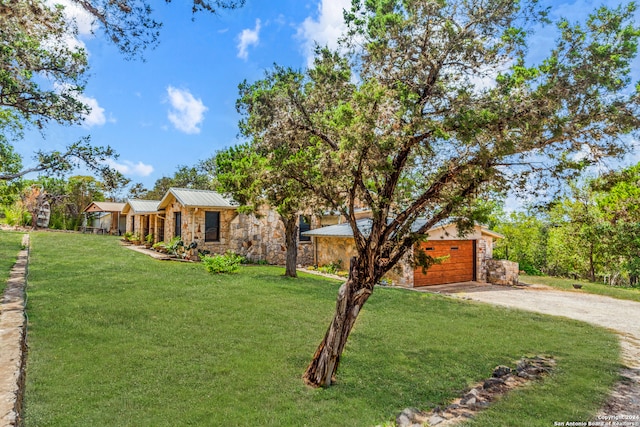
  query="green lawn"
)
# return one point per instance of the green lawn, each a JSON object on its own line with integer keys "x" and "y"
{"x": 119, "y": 339}
{"x": 10, "y": 245}
{"x": 632, "y": 294}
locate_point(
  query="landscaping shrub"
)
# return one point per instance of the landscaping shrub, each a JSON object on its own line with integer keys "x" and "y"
{"x": 16, "y": 216}
{"x": 227, "y": 263}
{"x": 332, "y": 268}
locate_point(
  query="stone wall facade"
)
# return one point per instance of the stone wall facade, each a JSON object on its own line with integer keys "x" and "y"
{"x": 402, "y": 273}
{"x": 482, "y": 255}
{"x": 502, "y": 272}
{"x": 328, "y": 250}
{"x": 262, "y": 238}
{"x": 259, "y": 238}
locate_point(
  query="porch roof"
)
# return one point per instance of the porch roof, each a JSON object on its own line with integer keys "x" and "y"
{"x": 141, "y": 206}
{"x": 188, "y": 197}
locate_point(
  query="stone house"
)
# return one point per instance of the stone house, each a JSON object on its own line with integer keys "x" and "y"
{"x": 213, "y": 223}
{"x": 142, "y": 217}
{"x": 469, "y": 256}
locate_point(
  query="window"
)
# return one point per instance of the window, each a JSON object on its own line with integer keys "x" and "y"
{"x": 133, "y": 223}
{"x": 212, "y": 226}
{"x": 304, "y": 226}
{"x": 177, "y": 224}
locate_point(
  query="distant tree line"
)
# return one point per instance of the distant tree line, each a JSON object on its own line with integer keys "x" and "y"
{"x": 592, "y": 233}
{"x": 67, "y": 199}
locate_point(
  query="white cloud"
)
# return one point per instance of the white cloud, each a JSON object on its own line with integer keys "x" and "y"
{"x": 80, "y": 20}
{"x": 326, "y": 29}
{"x": 248, "y": 38}
{"x": 96, "y": 115}
{"x": 83, "y": 20}
{"x": 187, "y": 112}
{"x": 129, "y": 168}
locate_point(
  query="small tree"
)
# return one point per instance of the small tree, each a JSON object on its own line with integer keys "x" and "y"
{"x": 406, "y": 124}
{"x": 247, "y": 176}
{"x": 525, "y": 241}
{"x": 576, "y": 235}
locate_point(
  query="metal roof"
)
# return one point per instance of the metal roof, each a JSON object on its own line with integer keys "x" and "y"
{"x": 104, "y": 207}
{"x": 344, "y": 229}
{"x": 364, "y": 225}
{"x": 142, "y": 206}
{"x": 197, "y": 198}
{"x": 340, "y": 230}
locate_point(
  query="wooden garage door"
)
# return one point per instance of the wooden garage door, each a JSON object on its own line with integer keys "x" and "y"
{"x": 458, "y": 268}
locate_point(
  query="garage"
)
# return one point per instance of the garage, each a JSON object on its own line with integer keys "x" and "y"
{"x": 459, "y": 267}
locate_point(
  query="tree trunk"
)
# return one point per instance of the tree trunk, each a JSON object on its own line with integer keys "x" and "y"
{"x": 351, "y": 297}
{"x": 291, "y": 242}
{"x": 592, "y": 269}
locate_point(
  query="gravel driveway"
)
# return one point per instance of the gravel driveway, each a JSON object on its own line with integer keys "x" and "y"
{"x": 622, "y": 317}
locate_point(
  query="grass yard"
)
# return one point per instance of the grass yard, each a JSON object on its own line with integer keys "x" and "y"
{"x": 632, "y": 294}
{"x": 10, "y": 245}
{"x": 119, "y": 339}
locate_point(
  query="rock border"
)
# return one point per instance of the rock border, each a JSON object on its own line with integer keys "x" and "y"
{"x": 480, "y": 396}
{"x": 13, "y": 340}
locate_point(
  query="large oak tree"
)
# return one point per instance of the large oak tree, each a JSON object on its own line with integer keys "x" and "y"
{"x": 430, "y": 104}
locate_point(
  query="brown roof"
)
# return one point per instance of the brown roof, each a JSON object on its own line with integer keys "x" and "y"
{"x": 104, "y": 207}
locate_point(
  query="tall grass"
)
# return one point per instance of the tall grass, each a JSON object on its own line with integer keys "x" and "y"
{"x": 120, "y": 339}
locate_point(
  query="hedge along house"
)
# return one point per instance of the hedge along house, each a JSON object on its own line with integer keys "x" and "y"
{"x": 212, "y": 222}
{"x": 469, "y": 256}
{"x": 105, "y": 216}
{"x": 142, "y": 218}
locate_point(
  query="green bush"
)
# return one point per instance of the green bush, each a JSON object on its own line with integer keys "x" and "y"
{"x": 332, "y": 268}
{"x": 529, "y": 269}
{"x": 15, "y": 216}
{"x": 227, "y": 263}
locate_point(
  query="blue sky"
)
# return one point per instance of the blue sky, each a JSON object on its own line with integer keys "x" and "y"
{"x": 178, "y": 106}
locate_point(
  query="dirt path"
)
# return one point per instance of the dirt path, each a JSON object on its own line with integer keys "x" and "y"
{"x": 622, "y": 317}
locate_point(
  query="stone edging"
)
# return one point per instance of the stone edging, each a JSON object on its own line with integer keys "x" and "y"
{"x": 477, "y": 398}
{"x": 13, "y": 340}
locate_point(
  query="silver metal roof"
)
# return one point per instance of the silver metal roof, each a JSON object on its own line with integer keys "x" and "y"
{"x": 197, "y": 198}
{"x": 344, "y": 230}
{"x": 339, "y": 230}
{"x": 142, "y": 206}
{"x": 364, "y": 225}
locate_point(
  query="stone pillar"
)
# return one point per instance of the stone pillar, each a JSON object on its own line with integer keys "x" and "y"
{"x": 481, "y": 260}
{"x": 502, "y": 272}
